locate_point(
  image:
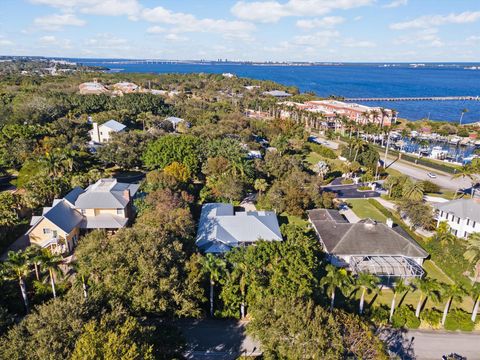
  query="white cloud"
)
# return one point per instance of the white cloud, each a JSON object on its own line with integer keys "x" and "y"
{"x": 426, "y": 37}
{"x": 272, "y": 11}
{"x": 473, "y": 40}
{"x": 175, "y": 37}
{"x": 325, "y": 22}
{"x": 438, "y": 20}
{"x": 396, "y": 3}
{"x": 49, "y": 40}
{"x": 182, "y": 22}
{"x": 56, "y": 22}
{"x": 4, "y": 41}
{"x": 96, "y": 7}
{"x": 156, "y": 30}
{"x": 352, "y": 43}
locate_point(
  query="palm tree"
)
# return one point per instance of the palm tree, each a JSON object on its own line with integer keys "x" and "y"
{"x": 335, "y": 278}
{"x": 472, "y": 255}
{"x": 429, "y": 288}
{"x": 475, "y": 293}
{"x": 367, "y": 283}
{"x": 214, "y": 267}
{"x": 51, "y": 263}
{"x": 451, "y": 293}
{"x": 358, "y": 145}
{"x": 443, "y": 234}
{"x": 461, "y": 116}
{"x": 466, "y": 171}
{"x": 260, "y": 185}
{"x": 413, "y": 190}
{"x": 16, "y": 267}
{"x": 33, "y": 254}
{"x": 399, "y": 288}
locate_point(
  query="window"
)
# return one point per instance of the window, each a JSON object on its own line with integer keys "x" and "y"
{"x": 468, "y": 222}
{"x": 46, "y": 231}
{"x": 458, "y": 220}
{"x": 474, "y": 224}
{"x": 119, "y": 211}
{"x": 84, "y": 211}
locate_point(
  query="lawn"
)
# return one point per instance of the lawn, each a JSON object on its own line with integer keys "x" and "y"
{"x": 285, "y": 218}
{"x": 363, "y": 209}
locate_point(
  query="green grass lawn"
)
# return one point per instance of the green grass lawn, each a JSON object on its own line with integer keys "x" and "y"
{"x": 313, "y": 158}
{"x": 363, "y": 209}
{"x": 285, "y": 218}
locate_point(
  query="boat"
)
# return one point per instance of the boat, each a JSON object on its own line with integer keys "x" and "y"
{"x": 438, "y": 153}
{"x": 454, "y": 141}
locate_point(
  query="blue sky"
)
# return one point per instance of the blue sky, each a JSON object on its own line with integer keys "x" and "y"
{"x": 280, "y": 30}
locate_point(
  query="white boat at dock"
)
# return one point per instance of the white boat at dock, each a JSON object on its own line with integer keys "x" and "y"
{"x": 438, "y": 153}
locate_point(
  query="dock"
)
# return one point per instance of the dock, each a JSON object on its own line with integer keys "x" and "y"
{"x": 419, "y": 98}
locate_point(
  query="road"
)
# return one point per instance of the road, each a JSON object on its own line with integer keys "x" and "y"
{"x": 350, "y": 192}
{"x": 444, "y": 181}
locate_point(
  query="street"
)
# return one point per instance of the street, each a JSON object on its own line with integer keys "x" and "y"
{"x": 350, "y": 192}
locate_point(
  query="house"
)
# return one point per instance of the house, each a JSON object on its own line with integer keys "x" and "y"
{"x": 107, "y": 204}
{"x": 462, "y": 215}
{"x": 221, "y": 228}
{"x": 368, "y": 246}
{"x": 277, "y": 94}
{"x": 92, "y": 88}
{"x": 126, "y": 87}
{"x": 101, "y": 133}
{"x": 174, "y": 121}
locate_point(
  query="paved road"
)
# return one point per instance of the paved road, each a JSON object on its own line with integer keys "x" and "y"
{"x": 444, "y": 181}
{"x": 350, "y": 192}
{"x": 216, "y": 339}
{"x": 431, "y": 345}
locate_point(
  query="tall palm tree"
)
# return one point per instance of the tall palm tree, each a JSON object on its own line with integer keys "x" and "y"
{"x": 475, "y": 294}
{"x": 358, "y": 145}
{"x": 51, "y": 263}
{"x": 461, "y": 116}
{"x": 260, "y": 185}
{"x": 454, "y": 292}
{"x": 429, "y": 289}
{"x": 367, "y": 283}
{"x": 399, "y": 288}
{"x": 214, "y": 266}
{"x": 33, "y": 254}
{"x": 16, "y": 267}
{"x": 466, "y": 171}
{"x": 443, "y": 234}
{"x": 335, "y": 278}
{"x": 472, "y": 255}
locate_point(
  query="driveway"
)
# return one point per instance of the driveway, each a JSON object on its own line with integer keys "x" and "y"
{"x": 216, "y": 339}
{"x": 350, "y": 192}
{"x": 431, "y": 345}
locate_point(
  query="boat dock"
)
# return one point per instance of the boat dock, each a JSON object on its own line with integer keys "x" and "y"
{"x": 420, "y": 98}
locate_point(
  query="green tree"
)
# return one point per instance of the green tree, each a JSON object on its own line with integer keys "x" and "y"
{"x": 451, "y": 293}
{"x": 214, "y": 267}
{"x": 466, "y": 171}
{"x": 443, "y": 235}
{"x": 16, "y": 267}
{"x": 429, "y": 289}
{"x": 51, "y": 263}
{"x": 260, "y": 185}
{"x": 335, "y": 278}
{"x": 413, "y": 190}
{"x": 398, "y": 288}
{"x": 9, "y": 206}
{"x": 472, "y": 254}
{"x": 366, "y": 283}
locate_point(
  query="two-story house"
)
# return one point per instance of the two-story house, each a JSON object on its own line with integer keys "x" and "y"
{"x": 102, "y": 133}
{"x": 107, "y": 204}
{"x": 462, "y": 215}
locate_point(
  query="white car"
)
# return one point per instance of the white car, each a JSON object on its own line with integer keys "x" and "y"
{"x": 431, "y": 175}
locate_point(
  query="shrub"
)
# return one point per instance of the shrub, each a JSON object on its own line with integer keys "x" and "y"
{"x": 432, "y": 317}
{"x": 378, "y": 314}
{"x": 323, "y": 151}
{"x": 430, "y": 187}
{"x": 347, "y": 181}
{"x": 363, "y": 188}
{"x": 459, "y": 320}
{"x": 404, "y": 316}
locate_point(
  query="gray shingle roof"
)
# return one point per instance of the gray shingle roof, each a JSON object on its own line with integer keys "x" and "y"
{"x": 114, "y": 125}
{"x": 366, "y": 237}
{"x": 105, "y": 194}
{"x": 462, "y": 208}
{"x": 103, "y": 221}
{"x": 62, "y": 215}
{"x": 220, "y": 228}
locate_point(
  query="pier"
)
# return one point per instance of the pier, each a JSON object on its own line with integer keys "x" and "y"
{"x": 420, "y": 98}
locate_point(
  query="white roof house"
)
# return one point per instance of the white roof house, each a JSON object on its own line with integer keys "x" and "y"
{"x": 277, "y": 93}
{"x": 174, "y": 121}
{"x": 462, "y": 215}
{"x": 221, "y": 228}
{"x": 101, "y": 133}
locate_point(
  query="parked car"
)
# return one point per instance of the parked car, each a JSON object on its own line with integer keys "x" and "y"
{"x": 432, "y": 175}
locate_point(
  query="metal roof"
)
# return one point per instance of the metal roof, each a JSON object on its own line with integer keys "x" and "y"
{"x": 103, "y": 221}
{"x": 63, "y": 216}
{"x": 114, "y": 125}
{"x": 462, "y": 208}
{"x": 105, "y": 194}
{"x": 220, "y": 228}
{"x": 174, "y": 120}
{"x": 366, "y": 237}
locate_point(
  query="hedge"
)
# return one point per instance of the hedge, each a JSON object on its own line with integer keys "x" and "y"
{"x": 404, "y": 316}
{"x": 323, "y": 151}
{"x": 459, "y": 320}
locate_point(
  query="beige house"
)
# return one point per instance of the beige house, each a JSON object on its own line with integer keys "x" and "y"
{"x": 107, "y": 204}
{"x": 92, "y": 88}
{"x": 101, "y": 133}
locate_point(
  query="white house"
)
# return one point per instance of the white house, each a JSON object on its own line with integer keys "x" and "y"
{"x": 381, "y": 249}
{"x": 174, "y": 121}
{"x": 221, "y": 228}
{"x": 101, "y": 133}
{"x": 462, "y": 215}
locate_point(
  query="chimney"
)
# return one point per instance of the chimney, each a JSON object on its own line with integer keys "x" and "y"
{"x": 390, "y": 223}
{"x": 96, "y": 134}
{"x": 126, "y": 194}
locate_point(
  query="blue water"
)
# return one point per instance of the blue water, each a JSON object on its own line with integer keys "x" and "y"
{"x": 361, "y": 80}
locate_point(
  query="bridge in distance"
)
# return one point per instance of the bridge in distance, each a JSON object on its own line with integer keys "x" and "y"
{"x": 418, "y": 98}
